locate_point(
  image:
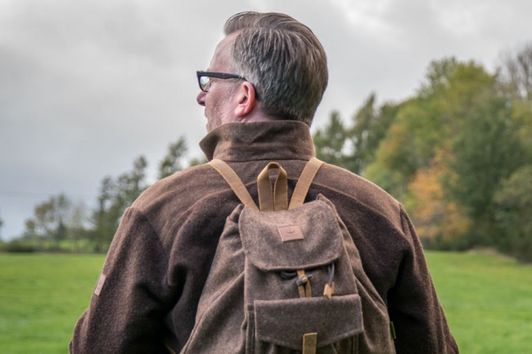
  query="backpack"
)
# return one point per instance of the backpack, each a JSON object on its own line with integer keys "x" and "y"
{"x": 287, "y": 277}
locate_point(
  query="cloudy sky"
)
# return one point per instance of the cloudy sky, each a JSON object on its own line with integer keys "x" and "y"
{"x": 86, "y": 86}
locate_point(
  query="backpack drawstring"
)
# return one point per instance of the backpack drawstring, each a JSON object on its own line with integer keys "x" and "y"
{"x": 303, "y": 281}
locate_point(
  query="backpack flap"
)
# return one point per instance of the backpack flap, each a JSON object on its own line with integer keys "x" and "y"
{"x": 291, "y": 239}
{"x": 285, "y": 322}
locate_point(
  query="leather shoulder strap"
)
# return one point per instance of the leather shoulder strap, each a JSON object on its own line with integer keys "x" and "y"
{"x": 304, "y": 182}
{"x": 234, "y": 182}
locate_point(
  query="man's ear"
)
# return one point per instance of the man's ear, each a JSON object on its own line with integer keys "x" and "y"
{"x": 245, "y": 99}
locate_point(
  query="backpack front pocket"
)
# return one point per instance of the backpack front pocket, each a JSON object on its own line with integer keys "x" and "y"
{"x": 320, "y": 324}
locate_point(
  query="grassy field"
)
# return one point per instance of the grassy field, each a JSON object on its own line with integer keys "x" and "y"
{"x": 41, "y": 297}
{"x": 487, "y": 298}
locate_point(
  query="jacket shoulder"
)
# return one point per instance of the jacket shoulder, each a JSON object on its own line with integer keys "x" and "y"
{"x": 175, "y": 194}
{"x": 362, "y": 191}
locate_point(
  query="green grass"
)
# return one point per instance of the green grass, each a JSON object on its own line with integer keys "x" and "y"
{"x": 487, "y": 299}
{"x": 41, "y": 297}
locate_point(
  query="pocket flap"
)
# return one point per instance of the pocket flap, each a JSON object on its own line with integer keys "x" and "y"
{"x": 284, "y": 322}
{"x": 300, "y": 238}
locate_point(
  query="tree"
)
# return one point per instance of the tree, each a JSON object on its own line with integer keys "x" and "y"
{"x": 61, "y": 208}
{"x": 512, "y": 200}
{"x": 330, "y": 142}
{"x": 513, "y": 205}
{"x": 171, "y": 162}
{"x": 44, "y": 218}
{"x": 486, "y": 151}
{"x": 461, "y": 112}
{"x": 103, "y": 219}
{"x": 370, "y": 125}
{"x": 517, "y": 81}
{"x": 440, "y": 222}
{"x": 135, "y": 181}
{"x": 76, "y": 224}
{"x": 115, "y": 196}
{"x": 398, "y": 155}
{"x": 49, "y": 221}
{"x": 197, "y": 161}
{"x": 354, "y": 147}
{"x": 1, "y": 225}
{"x": 360, "y": 135}
{"x": 517, "y": 73}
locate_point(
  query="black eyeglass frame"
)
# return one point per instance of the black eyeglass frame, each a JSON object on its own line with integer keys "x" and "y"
{"x": 216, "y": 75}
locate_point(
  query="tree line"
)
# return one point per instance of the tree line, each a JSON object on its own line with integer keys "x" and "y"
{"x": 457, "y": 154}
{"x": 60, "y": 224}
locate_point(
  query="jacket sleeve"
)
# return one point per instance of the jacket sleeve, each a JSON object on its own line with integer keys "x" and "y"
{"x": 418, "y": 317}
{"x": 127, "y": 309}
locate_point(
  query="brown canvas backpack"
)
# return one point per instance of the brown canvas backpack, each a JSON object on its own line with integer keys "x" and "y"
{"x": 287, "y": 277}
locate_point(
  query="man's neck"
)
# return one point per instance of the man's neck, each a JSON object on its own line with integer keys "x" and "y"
{"x": 258, "y": 116}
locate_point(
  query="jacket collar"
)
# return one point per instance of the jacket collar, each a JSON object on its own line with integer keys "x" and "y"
{"x": 277, "y": 140}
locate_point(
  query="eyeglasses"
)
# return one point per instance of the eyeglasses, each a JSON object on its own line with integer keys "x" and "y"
{"x": 204, "y": 80}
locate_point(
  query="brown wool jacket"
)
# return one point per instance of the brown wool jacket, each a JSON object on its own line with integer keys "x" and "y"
{"x": 159, "y": 259}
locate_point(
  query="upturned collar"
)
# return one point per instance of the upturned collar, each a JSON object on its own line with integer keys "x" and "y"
{"x": 277, "y": 140}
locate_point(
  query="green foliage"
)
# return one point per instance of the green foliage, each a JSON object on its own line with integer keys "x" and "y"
{"x": 370, "y": 125}
{"x": 115, "y": 196}
{"x": 330, "y": 141}
{"x": 486, "y": 151}
{"x": 428, "y": 122}
{"x": 513, "y": 203}
{"x": 517, "y": 73}
{"x": 353, "y": 147}
{"x": 54, "y": 220}
{"x": 522, "y": 118}
{"x": 171, "y": 162}
{"x": 463, "y": 113}
{"x": 464, "y": 132}
{"x": 106, "y": 215}
{"x": 197, "y": 161}
{"x": 399, "y": 154}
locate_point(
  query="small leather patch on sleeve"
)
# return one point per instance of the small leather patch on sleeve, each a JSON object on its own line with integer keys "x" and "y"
{"x": 99, "y": 286}
{"x": 290, "y": 233}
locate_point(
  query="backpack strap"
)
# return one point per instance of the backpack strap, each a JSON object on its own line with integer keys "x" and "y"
{"x": 276, "y": 198}
{"x": 304, "y": 182}
{"x": 234, "y": 182}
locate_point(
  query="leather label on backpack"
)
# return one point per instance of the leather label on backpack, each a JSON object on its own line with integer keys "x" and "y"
{"x": 290, "y": 233}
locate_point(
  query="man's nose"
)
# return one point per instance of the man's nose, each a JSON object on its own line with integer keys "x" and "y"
{"x": 201, "y": 98}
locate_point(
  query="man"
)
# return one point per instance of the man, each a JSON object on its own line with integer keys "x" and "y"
{"x": 263, "y": 85}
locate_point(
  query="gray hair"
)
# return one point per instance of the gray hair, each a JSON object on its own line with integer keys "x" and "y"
{"x": 283, "y": 59}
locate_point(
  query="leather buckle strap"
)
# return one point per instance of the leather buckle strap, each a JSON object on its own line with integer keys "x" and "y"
{"x": 310, "y": 343}
{"x": 275, "y": 198}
